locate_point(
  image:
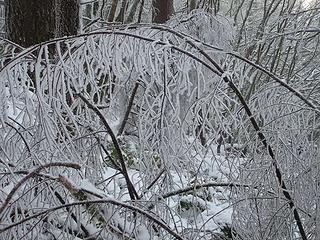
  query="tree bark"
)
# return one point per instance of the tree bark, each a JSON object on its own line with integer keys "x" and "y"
{"x": 162, "y": 9}
{"x": 68, "y": 17}
{"x": 113, "y": 10}
{"x": 33, "y": 21}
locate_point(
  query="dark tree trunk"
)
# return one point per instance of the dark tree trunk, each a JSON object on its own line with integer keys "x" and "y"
{"x": 33, "y": 21}
{"x": 162, "y": 9}
{"x": 68, "y": 17}
{"x": 30, "y": 21}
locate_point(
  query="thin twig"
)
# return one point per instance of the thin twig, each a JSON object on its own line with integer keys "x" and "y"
{"x": 22, "y": 137}
{"x": 152, "y": 183}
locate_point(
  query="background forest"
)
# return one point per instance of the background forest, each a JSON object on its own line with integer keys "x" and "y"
{"x": 164, "y": 119}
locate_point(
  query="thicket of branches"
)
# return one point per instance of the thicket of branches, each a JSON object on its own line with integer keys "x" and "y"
{"x": 133, "y": 130}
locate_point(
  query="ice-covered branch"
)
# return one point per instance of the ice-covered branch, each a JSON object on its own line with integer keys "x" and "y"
{"x": 146, "y": 214}
{"x": 33, "y": 174}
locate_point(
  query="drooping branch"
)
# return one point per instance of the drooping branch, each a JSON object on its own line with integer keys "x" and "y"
{"x": 33, "y": 174}
{"x": 195, "y": 43}
{"x": 270, "y": 151}
{"x": 115, "y": 202}
{"x": 215, "y": 68}
{"x": 262, "y": 137}
{"x": 189, "y": 39}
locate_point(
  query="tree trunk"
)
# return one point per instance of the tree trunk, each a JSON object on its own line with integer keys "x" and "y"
{"x": 162, "y": 9}
{"x": 68, "y": 17}
{"x": 33, "y": 21}
{"x": 113, "y": 10}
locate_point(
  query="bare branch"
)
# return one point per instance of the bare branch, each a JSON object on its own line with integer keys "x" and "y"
{"x": 126, "y": 116}
{"x": 201, "y": 185}
{"x": 132, "y": 192}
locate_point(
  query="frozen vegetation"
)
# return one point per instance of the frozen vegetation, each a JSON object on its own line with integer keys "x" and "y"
{"x": 200, "y": 128}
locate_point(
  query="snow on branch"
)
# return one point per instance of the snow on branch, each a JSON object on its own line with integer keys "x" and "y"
{"x": 143, "y": 111}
